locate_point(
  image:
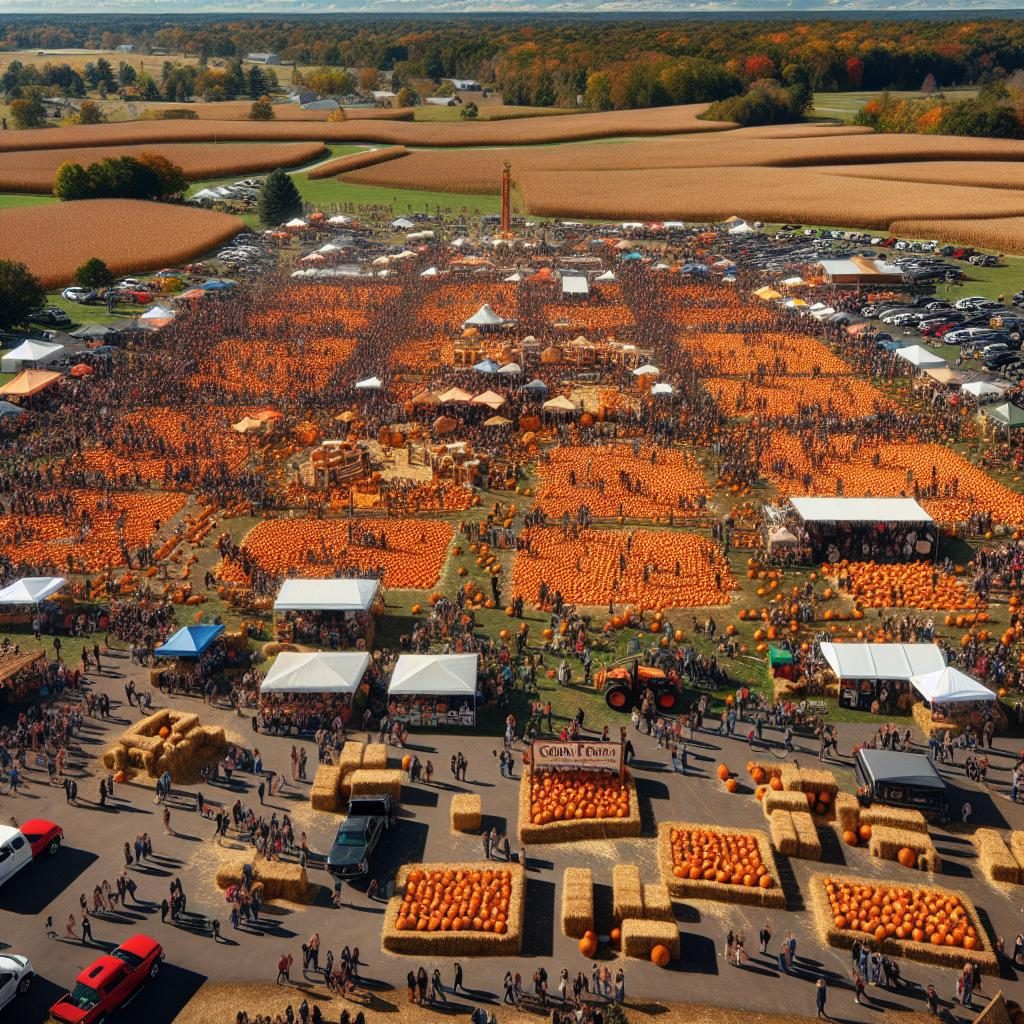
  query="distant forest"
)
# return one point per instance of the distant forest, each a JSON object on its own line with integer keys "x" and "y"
{"x": 611, "y": 63}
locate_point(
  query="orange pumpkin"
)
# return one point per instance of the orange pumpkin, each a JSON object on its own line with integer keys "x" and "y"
{"x": 660, "y": 955}
{"x": 850, "y": 837}
{"x": 907, "y": 857}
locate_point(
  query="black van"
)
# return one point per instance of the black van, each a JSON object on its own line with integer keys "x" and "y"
{"x": 901, "y": 780}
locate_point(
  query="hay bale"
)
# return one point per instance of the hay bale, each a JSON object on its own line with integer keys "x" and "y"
{"x": 997, "y": 862}
{"x": 466, "y": 812}
{"x": 323, "y": 795}
{"x": 893, "y": 817}
{"x": 280, "y": 879}
{"x": 639, "y": 937}
{"x": 783, "y": 800}
{"x": 183, "y": 722}
{"x": 1017, "y": 849}
{"x": 784, "y": 837}
{"x": 351, "y": 757}
{"x": 658, "y": 903}
{"x": 577, "y": 902}
{"x": 375, "y": 756}
{"x": 886, "y": 843}
{"x": 809, "y": 780}
{"x": 807, "y": 838}
{"x": 209, "y": 735}
{"x": 152, "y": 724}
{"x": 376, "y": 783}
{"x": 627, "y": 892}
{"x": 110, "y": 757}
{"x": 142, "y": 741}
{"x": 847, "y": 812}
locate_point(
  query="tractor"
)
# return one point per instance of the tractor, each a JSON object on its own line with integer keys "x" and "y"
{"x": 624, "y": 686}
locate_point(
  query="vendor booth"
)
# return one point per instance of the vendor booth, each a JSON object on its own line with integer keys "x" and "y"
{"x": 434, "y": 690}
{"x": 874, "y": 677}
{"x": 332, "y": 613}
{"x": 189, "y": 642}
{"x": 306, "y": 691}
{"x": 18, "y": 599}
{"x": 954, "y": 702}
{"x": 197, "y": 656}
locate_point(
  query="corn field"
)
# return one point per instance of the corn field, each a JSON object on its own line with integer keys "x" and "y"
{"x": 356, "y": 161}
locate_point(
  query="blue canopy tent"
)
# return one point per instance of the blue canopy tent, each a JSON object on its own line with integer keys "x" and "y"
{"x": 633, "y": 256}
{"x": 536, "y": 385}
{"x": 486, "y": 366}
{"x": 10, "y": 409}
{"x": 217, "y": 285}
{"x": 189, "y": 642}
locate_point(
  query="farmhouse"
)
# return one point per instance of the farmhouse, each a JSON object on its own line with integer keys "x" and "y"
{"x": 464, "y": 84}
{"x": 859, "y": 271}
{"x": 263, "y": 58}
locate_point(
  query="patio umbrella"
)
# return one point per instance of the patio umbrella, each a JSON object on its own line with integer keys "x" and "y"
{"x": 647, "y": 370}
{"x": 486, "y": 366}
{"x": 425, "y": 398}
{"x": 345, "y": 417}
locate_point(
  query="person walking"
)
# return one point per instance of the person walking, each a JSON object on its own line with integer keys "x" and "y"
{"x": 436, "y": 987}
{"x": 487, "y": 845}
{"x": 284, "y": 966}
{"x": 458, "y": 979}
{"x": 314, "y": 950}
{"x": 765, "y": 935}
{"x": 86, "y": 928}
{"x": 167, "y": 822}
{"x": 421, "y": 984}
{"x": 620, "y": 986}
{"x": 820, "y": 996}
{"x": 69, "y": 928}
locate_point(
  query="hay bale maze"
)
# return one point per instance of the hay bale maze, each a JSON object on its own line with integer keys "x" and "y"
{"x": 323, "y": 794}
{"x": 923, "y": 923}
{"x": 996, "y": 858}
{"x": 577, "y": 902}
{"x": 783, "y": 800}
{"x": 597, "y": 805}
{"x": 627, "y": 892}
{"x": 387, "y": 781}
{"x": 171, "y": 741}
{"x": 466, "y": 812}
{"x": 281, "y": 880}
{"x": 640, "y": 937}
{"x": 693, "y": 859}
{"x": 818, "y": 786}
{"x": 911, "y": 849}
{"x": 480, "y": 912}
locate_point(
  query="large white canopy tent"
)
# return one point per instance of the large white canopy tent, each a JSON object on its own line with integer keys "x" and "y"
{"x": 331, "y": 595}
{"x": 859, "y": 510}
{"x": 337, "y": 672}
{"x": 30, "y": 353}
{"x": 434, "y": 689}
{"x": 31, "y": 590}
{"x": 484, "y": 317}
{"x": 901, "y": 662}
{"x": 920, "y": 357}
{"x": 951, "y": 686}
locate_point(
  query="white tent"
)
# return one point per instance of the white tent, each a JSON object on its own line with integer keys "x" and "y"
{"x": 296, "y": 222}
{"x": 510, "y": 369}
{"x": 338, "y": 218}
{"x": 647, "y": 370}
{"x": 402, "y": 223}
{"x": 204, "y": 195}
{"x": 316, "y": 672}
{"x": 489, "y": 398}
{"x": 31, "y": 589}
{"x": 608, "y": 275}
{"x": 429, "y": 272}
{"x": 793, "y": 282}
{"x": 514, "y": 278}
{"x": 920, "y": 357}
{"x": 575, "y": 284}
{"x": 980, "y": 389}
{"x": 951, "y": 686}
{"x": 347, "y": 595}
{"x": 30, "y": 353}
{"x": 369, "y": 384}
{"x": 661, "y": 388}
{"x": 329, "y": 247}
{"x": 434, "y": 675}
{"x": 859, "y": 510}
{"x": 900, "y": 662}
{"x": 780, "y": 537}
{"x": 559, "y": 404}
{"x": 742, "y": 228}
{"x": 484, "y": 317}
{"x": 157, "y": 313}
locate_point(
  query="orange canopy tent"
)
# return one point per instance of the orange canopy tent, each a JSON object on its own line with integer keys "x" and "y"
{"x": 29, "y": 383}
{"x": 81, "y": 370}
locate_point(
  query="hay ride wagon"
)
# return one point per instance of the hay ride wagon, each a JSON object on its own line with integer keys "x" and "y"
{"x": 624, "y": 686}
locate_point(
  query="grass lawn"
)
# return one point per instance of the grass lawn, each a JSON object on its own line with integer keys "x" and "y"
{"x": 10, "y": 200}
{"x": 488, "y": 112}
{"x": 845, "y": 105}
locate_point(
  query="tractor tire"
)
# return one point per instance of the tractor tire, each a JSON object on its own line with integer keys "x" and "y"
{"x": 618, "y": 698}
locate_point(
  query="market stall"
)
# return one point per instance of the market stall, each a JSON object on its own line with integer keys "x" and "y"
{"x": 197, "y": 656}
{"x": 434, "y": 689}
{"x": 332, "y": 613}
{"x": 877, "y": 677}
{"x": 19, "y": 598}
{"x": 306, "y": 691}
{"x": 22, "y": 675}
{"x": 954, "y": 701}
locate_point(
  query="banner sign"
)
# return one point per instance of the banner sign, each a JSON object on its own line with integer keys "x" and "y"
{"x": 576, "y": 755}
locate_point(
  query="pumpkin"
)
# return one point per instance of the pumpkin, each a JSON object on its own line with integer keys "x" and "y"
{"x": 864, "y": 832}
{"x": 165, "y": 732}
{"x": 588, "y": 945}
{"x": 731, "y": 785}
{"x": 615, "y": 937}
{"x": 120, "y": 777}
{"x": 907, "y": 857}
{"x": 776, "y": 783}
{"x": 660, "y": 955}
{"x": 406, "y": 762}
{"x": 723, "y": 772}
{"x": 850, "y": 837}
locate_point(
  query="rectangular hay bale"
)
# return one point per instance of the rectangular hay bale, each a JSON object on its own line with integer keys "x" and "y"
{"x": 893, "y": 817}
{"x": 783, "y": 800}
{"x": 808, "y": 840}
{"x": 351, "y": 757}
{"x": 466, "y": 812}
{"x": 847, "y": 812}
{"x": 784, "y": 837}
{"x": 627, "y": 892}
{"x": 577, "y": 902}
{"x": 658, "y": 903}
{"x": 639, "y": 937}
{"x": 994, "y": 856}
{"x": 375, "y": 756}
{"x": 886, "y": 843}
{"x": 1017, "y": 848}
{"x": 376, "y": 783}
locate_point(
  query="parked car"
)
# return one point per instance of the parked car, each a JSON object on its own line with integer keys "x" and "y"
{"x": 52, "y": 315}
{"x": 1000, "y": 360}
{"x": 367, "y": 820}
{"x": 110, "y": 982}
{"x": 16, "y": 976}
{"x": 20, "y": 846}
{"x": 77, "y": 294}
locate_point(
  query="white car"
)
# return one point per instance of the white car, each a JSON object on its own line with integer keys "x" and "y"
{"x": 968, "y": 301}
{"x": 16, "y": 975}
{"x": 75, "y": 294}
{"x": 130, "y": 282}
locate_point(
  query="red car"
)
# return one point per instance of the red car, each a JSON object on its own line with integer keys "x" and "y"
{"x": 42, "y": 835}
{"x": 110, "y": 981}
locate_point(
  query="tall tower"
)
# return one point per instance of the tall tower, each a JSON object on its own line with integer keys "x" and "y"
{"x": 506, "y": 199}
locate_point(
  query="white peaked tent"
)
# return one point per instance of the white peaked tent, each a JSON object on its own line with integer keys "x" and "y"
{"x": 883, "y": 661}
{"x": 434, "y": 675}
{"x": 742, "y": 228}
{"x": 296, "y": 222}
{"x": 661, "y": 388}
{"x": 429, "y": 272}
{"x": 157, "y": 313}
{"x": 514, "y": 278}
{"x": 510, "y": 369}
{"x": 559, "y": 404}
{"x": 338, "y": 218}
{"x": 333, "y": 595}
{"x": 980, "y": 389}
{"x": 32, "y": 353}
{"x": 951, "y": 686}
{"x": 316, "y": 672}
{"x": 402, "y": 223}
{"x": 647, "y": 370}
{"x": 31, "y": 589}
{"x": 484, "y": 317}
{"x": 606, "y": 276}
{"x": 369, "y": 384}
{"x": 920, "y": 357}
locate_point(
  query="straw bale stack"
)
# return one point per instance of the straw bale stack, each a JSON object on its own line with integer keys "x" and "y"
{"x": 809, "y": 780}
{"x": 577, "y": 902}
{"x": 893, "y": 817}
{"x": 376, "y": 783}
{"x": 783, "y": 800}
{"x": 639, "y": 937}
{"x": 658, "y": 903}
{"x": 351, "y": 757}
{"x": 182, "y": 752}
{"x": 323, "y": 795}
{"x": 375, "y": 757}
{"x": 627, "y": 892}
{"x": 1017, "y": 849}
{"x": 808, "y": 840}
{"x": 467, "y": 812}
{"x": 280, "y": 879}
{"x": 783, "y": 833}
{"x": 997, "y": 861}
{"x": 847, "y": 812}
{"x": 887, "y": 842}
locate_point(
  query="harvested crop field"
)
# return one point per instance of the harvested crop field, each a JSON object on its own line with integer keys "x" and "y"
{"x": 356, "y": 161}
{"x": 238, "y": 110}
{"x": 127, "y": 234}
{"x": 981, "y": 173}
{"x": 1005, "y": 234}
{"x": 515, "y": 132}
{"x": 34, "y": 170}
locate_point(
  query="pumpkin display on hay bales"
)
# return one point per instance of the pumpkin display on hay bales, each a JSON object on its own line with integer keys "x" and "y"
{"x": 462, "y": 909}
{"x": 719, "y": 863}
{"x": 563, "y": 806}
{"x": 924, "y": 923}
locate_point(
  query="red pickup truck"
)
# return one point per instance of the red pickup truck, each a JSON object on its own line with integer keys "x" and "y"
{"x": 109, "y": 982}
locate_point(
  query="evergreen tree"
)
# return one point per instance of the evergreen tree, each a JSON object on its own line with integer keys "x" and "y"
{"x": 94, "y": 273}
{"x": 279, "y": 199}
{"x": 20, "y": 293}
{"x": 257, "y": 82}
